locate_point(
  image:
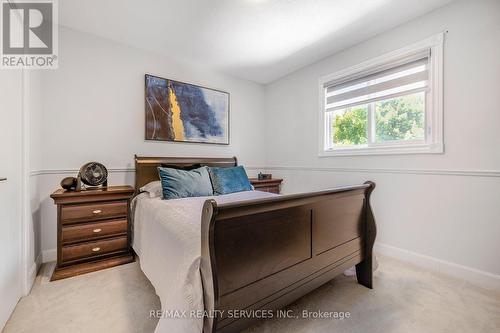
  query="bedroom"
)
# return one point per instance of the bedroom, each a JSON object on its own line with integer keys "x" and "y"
{"x": 305, "y": 91}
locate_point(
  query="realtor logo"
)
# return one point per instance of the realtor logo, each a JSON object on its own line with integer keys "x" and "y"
{"x": 29, "y": 34}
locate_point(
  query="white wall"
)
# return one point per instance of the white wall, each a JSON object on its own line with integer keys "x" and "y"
{"x": 93, "y": 110}
{"x": 449, "y": 217}
{"x": 441, "y": 206}
{"x": 33, "y": 125}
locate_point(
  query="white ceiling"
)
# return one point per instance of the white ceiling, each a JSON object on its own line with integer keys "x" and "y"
{"x": 259, "y": 40}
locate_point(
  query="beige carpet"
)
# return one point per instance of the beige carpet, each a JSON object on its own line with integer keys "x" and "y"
{"x": 405, "y": 299}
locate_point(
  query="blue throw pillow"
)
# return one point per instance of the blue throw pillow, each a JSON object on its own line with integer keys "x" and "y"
{"x": 229, "y": 180}
{"x": 182, "y": 184}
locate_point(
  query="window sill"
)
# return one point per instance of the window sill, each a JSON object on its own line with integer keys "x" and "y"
{"x": 435, "y": 148}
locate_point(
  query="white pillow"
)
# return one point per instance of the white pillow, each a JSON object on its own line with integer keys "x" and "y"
{"x": 154, "y": 189}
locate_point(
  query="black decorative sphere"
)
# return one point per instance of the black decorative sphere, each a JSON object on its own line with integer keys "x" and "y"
{"x": 93, "y": 174}
{"x": 69, "y": 183}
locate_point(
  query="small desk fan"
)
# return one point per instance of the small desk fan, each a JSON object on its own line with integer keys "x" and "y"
{"x": 92, "y": 174}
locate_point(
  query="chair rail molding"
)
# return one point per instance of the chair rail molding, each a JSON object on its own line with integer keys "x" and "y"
{"x": 435, "y": 172}
{"x": 74, "y": 171}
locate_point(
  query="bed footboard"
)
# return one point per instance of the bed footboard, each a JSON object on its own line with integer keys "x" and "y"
{"x": 264, "y": 254}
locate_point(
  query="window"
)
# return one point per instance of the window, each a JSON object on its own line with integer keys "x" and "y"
{"x": 389, "y": 105}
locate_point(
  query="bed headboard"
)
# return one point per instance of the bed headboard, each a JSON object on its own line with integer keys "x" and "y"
{"x": 146, "y": 167}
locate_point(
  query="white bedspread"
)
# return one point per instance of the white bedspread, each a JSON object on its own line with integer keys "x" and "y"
{"x": 167, "y": 240}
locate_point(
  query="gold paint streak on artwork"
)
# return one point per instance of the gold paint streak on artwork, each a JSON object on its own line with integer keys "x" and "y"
{"x": 176, "y": 116}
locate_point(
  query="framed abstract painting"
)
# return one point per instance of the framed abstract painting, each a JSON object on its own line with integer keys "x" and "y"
{"x": 183, "y": 112}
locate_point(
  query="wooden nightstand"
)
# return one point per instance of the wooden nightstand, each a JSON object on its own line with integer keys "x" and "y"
{"x": 93, "y": 230}
{"x": 267, "y": 185}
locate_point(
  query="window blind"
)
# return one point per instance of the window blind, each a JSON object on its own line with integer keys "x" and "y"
{"x": 407, "y": 76}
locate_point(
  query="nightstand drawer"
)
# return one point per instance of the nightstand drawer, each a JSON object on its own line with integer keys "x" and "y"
{"x": 96, "y": 211}
{"x": 270, "y": 189}
{"x": 83, "y": 232}
{"x": 267, "y": 185}
{"x": 93, "y": 249}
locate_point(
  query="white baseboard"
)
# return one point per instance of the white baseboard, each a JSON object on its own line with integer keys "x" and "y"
{"x": 49, "y": 255}
{"x": 32, "y": 273}
{"x": 475, "y": 276}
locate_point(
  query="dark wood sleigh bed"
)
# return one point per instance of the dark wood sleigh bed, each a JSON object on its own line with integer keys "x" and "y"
{"x": 264, "y": 254}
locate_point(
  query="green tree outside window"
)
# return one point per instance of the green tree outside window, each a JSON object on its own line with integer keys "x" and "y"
{"x": 400, "y": 118}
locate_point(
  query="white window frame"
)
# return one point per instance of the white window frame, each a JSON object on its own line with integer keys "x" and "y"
{"x": 433, "y": 142}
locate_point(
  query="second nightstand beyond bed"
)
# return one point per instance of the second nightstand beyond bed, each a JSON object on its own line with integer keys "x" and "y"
{"x": 267, "y": 185}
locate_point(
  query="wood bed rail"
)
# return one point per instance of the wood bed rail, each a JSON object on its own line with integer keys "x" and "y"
{"x": 264, "y": 254}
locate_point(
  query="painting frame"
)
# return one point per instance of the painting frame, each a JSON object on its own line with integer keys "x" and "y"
{"x": 227, "y": 141}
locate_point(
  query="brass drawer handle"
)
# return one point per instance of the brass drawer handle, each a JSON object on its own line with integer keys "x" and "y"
{"x": 97, "y": 230}
{"x": 96, "y": 249}
{"x": 97, "y": 211}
